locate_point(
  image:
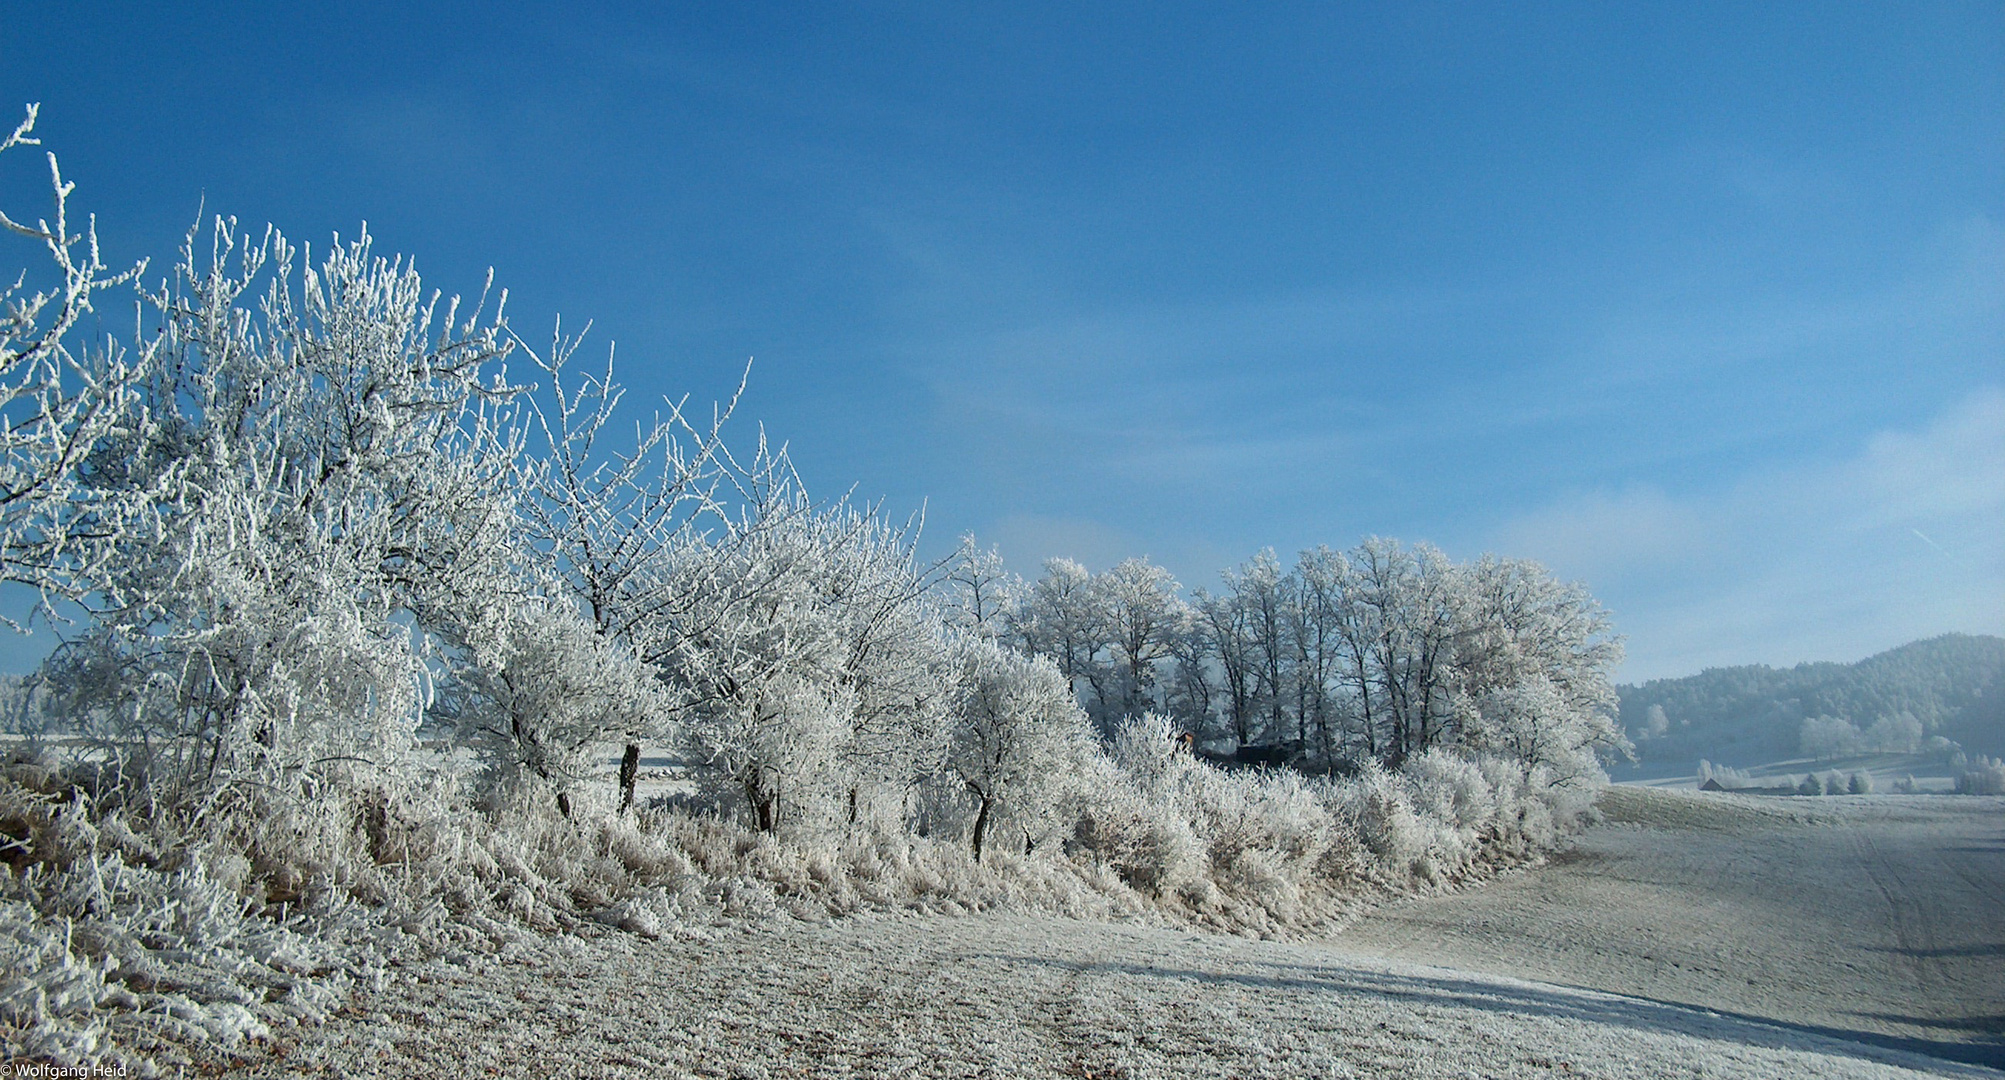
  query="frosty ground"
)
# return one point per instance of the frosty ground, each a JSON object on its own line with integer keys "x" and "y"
{"x": 1688, "y": 936}
{"x": 1878, "y": 918}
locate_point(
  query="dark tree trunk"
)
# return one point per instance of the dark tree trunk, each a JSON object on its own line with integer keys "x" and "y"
{"x": 629, "y": 775}
{"x": 764, "y": 800}
{"x": 982, "y": 826}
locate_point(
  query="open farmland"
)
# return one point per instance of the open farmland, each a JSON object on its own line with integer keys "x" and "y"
{"x": 1879, "y": 918}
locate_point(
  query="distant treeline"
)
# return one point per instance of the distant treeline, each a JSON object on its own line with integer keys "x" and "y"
{"x": 1950, "y": 687}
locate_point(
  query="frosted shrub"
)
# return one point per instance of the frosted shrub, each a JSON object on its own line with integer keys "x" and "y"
{"x": 1146, "y": 750}
{"x": 1982, "y": 776}
{"x": 1457, "y": 806}
{"x": 98, "y": 950}
{"x": 1232, "y": 814}
{"x": 1018, "y": 740}
{"x": 1452, "y": 789}
{"x": 1141, "y": 838}
{"x": 1860, "y": 784}
{"x": 1382, "y": 809}
{"x": 1248, "y": 850}
{"x": 537, "y": 692}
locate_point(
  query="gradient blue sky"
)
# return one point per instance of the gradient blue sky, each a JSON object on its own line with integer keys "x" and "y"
{"x": 1703, "y": 305}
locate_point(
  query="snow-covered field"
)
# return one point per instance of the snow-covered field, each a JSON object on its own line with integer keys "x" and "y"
{"x": 1880, "y": 918}
{"x": 1759, "y": 938}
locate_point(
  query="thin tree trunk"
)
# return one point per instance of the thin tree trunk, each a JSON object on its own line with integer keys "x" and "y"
{"x": 629, "y": 775}
{"x": 982, "y": 826}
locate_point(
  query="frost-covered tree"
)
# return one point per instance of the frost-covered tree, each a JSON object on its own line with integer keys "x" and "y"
{"x": 1900, "y": 733}
{"x": 981, "y": 596}
{"x": 814, "y": 665}
{"x": 538, "y": 689}
{"x": 1259, "y": 585}
{"x": 1533, "y": 724}
{"x": 1829, "y": 737}
{"x": 331, "y": 468}
{"x": 1538, "y": 651}
{"x": 1983, "y": 776}
{"x": 1385, "y": 651}
{"x": 1142, "y": 616}
{"x": 1357, "y": 627}
{"x": 1655, "y": 723}
{"x": 1225, "y": 622}
{"x": 1411, "y": 601}
{"x": 1018, "y": 741}
{"x": 601, "y": 520}
{"x": 1324, "y": 653}
{"x": 61, "y": 399}
{"x": 1191, "y": 684}
{"x": 1061, "y": 617}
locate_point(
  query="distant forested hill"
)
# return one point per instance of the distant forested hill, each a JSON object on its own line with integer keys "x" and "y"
{"x": 1951, "y": 687}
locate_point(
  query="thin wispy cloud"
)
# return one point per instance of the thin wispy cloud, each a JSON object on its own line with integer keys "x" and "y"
{"x": 1824, "y": 559}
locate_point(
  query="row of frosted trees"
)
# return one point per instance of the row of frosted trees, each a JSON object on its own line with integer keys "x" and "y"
{"x": 1373, "y": 654}
{"x": 321, "y": 545}
{"x": 338, "y": 542}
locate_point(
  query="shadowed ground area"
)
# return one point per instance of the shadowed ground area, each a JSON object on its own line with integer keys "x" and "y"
{"x": 1876, "y": 918}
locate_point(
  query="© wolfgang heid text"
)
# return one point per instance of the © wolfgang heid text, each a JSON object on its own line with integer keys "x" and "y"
{"x": 41, "y": 1071}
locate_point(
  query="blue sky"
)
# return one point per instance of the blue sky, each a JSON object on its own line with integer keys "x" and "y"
{"x": 1703, "y": 305}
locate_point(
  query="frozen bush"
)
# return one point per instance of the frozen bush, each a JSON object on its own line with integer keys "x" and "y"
{"x": 1982, "y": 776}
{"x": 1453, "y": 789}
{"x": 1141, "y": 838}
{"x": 536, "y": 694}
{"x": 1860, "y": 784}
{"x": 1017, "y": 742}
{"x": 94, "y": 948}
{"x": 1383, "y": 812}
